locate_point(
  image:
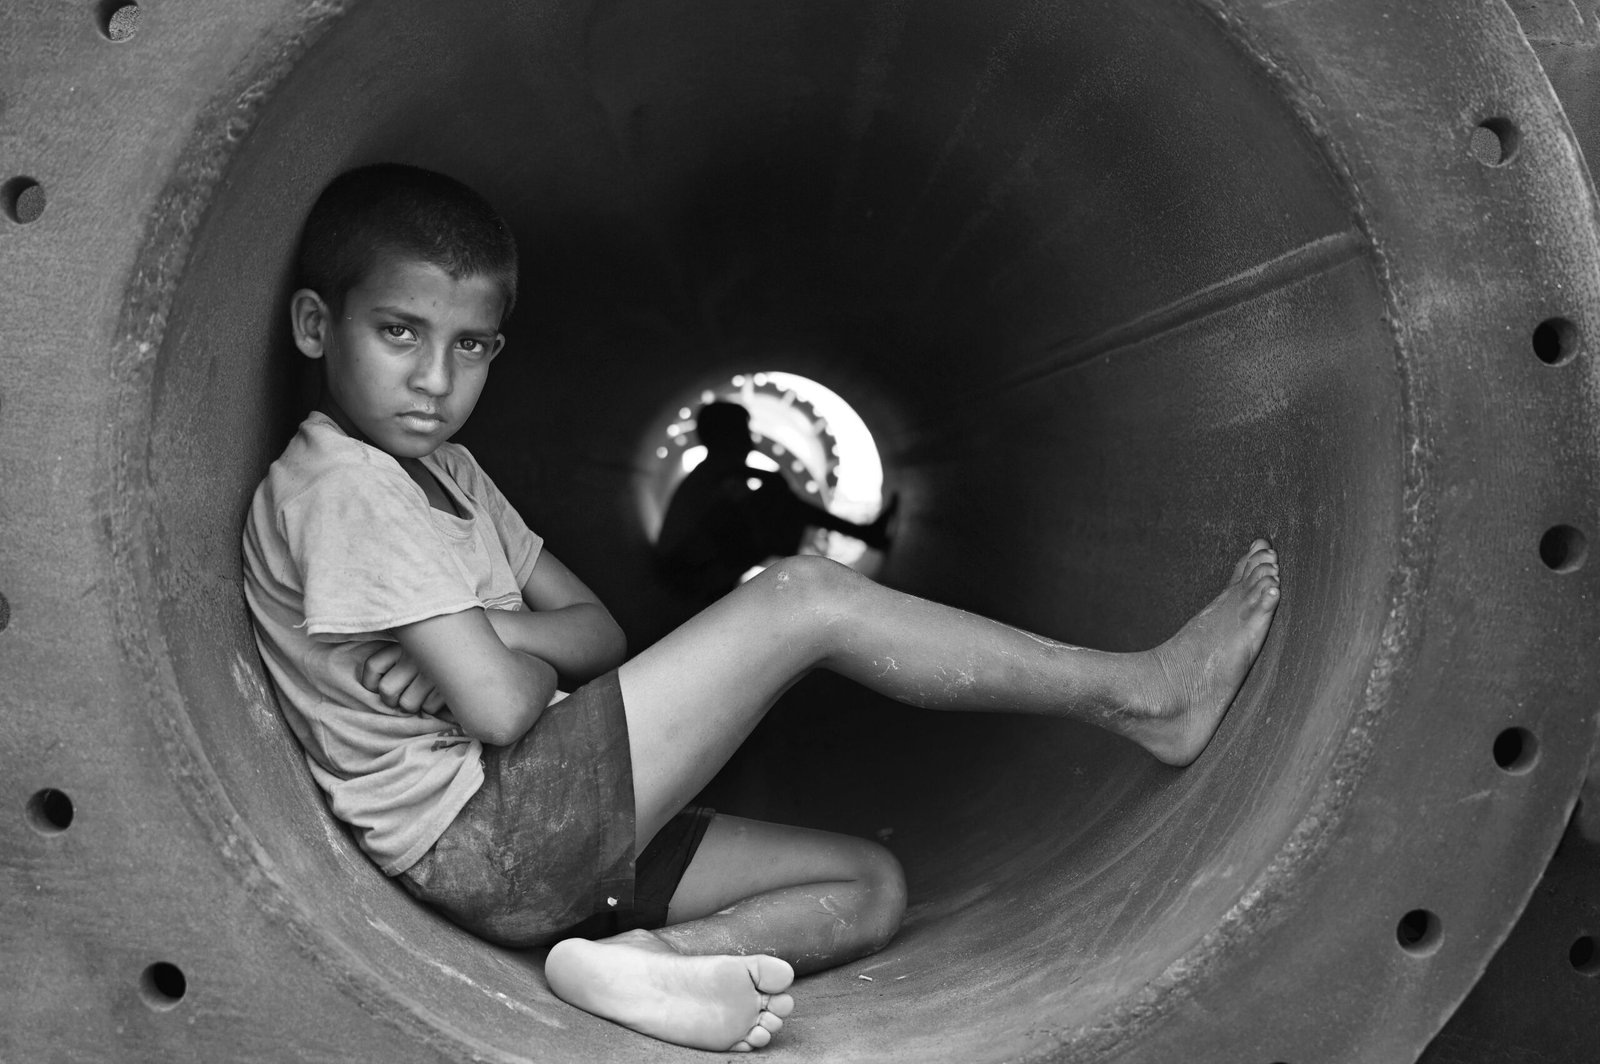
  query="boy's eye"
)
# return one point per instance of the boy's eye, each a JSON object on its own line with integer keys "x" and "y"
{"x": 398, "y": 332}
{"x": 471, "y": 346}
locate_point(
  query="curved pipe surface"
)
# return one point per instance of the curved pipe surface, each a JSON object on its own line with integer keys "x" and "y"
{"x": 1117, "y": 287}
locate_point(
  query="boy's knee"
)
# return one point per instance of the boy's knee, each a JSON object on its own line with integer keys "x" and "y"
{"x": 884, "y": 883}
{"x": 810, "y": 579}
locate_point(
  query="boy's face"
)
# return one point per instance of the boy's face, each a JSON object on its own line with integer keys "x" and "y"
{"x": 406, "y": 357}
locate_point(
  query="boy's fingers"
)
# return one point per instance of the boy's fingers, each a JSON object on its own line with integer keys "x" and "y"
{"x": 395, "y": 681}
{"x": 385, "y": 655}
{"x": 378, "y": 663}
{"x": 398, "y": 681}
{"x": 434, "y": 702}
{"x": 416, "y": 694}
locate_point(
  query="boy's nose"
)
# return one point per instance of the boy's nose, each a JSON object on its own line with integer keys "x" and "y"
{"x": 430, "y": 374}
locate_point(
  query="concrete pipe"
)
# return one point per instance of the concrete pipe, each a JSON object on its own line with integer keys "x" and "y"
{"x": 1117, "y": 286}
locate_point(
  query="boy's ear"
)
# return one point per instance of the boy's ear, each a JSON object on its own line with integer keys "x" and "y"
{"x": 499, "y": 342}
{"x": 310, "y": 320}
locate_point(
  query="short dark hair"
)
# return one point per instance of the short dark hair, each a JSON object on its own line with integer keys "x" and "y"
{"x": 390, "y": 207}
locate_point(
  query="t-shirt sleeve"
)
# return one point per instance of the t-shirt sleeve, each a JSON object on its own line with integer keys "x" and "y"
{"x": 368, "y": 554}
{"x": 521, "y": 544}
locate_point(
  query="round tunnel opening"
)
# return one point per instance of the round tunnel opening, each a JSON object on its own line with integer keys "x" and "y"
{"x": 1100, "y": 349}
{"x": 801, "y": 431}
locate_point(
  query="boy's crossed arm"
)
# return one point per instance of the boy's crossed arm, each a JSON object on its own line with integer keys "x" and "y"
{"x": 498, "y": 669}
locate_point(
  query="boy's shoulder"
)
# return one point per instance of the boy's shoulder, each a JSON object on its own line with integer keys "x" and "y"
{"x": 322, "y": 457}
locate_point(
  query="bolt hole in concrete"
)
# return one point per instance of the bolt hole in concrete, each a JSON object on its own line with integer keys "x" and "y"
{"x": 1419, "y": 932}
{"x": 1584, "y": 958}
{"x": 50, "y": 811}
{"x": 1563, "y": 548}
{"x": 1494, "y": 141}
{"x": 162, "y": 985}
{"x": 5, "y": 613}
{"x": 1555, "y": 341}
{"x": 22, "y": 198}
{"x": 118, "y": 21}
{"x": 1515, "y": 750}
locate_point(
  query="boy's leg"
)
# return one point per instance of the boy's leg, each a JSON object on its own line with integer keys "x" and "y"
{"x": 752, "y": 893}
{"x": 692, "y": 698}
{"x": 815, "y": 898}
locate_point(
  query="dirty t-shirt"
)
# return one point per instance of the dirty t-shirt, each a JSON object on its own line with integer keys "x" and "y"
{"x": 340, "y": 547}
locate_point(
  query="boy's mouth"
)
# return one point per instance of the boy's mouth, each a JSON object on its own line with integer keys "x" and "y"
{"x": 421, "y": 420}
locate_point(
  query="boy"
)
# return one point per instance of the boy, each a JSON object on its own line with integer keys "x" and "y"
{"x": 418, "y": 633}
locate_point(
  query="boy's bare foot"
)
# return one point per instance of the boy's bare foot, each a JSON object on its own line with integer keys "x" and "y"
{"x": 1198, "y": 672}
{"x": 637, "y": 980}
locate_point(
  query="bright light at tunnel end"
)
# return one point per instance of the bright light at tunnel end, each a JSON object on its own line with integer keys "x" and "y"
{"x": 800, "y": 428}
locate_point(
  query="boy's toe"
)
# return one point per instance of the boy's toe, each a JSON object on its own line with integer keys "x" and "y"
{"x": 1251, "y": 556}
{"x": 771, "y": 975}
{"x": 1263, "y": 567}
{"x": 1264, "y": 593}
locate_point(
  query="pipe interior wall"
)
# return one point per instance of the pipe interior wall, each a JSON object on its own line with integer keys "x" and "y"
{"x": 1105, "y": 339}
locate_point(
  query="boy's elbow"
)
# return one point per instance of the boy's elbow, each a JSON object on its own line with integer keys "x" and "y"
{"x": 499, "y": 714}
{"x": 500, "y": 723}
{"x": 604, "y": 649}
{"x": 498, "y": 733}
{"x": 607, "y": 645}
{"x": 616, "y": 649}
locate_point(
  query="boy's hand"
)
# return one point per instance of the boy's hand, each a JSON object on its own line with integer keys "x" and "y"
{"x": 395, "y": 678}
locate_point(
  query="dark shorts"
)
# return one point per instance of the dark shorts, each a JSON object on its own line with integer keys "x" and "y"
{"x": 545, "y": 849}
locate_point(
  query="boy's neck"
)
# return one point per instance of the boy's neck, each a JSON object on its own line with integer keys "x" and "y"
{"x": 438, "y": 498}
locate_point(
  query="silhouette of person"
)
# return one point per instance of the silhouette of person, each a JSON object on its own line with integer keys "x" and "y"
{"x": 726, "y": 516}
